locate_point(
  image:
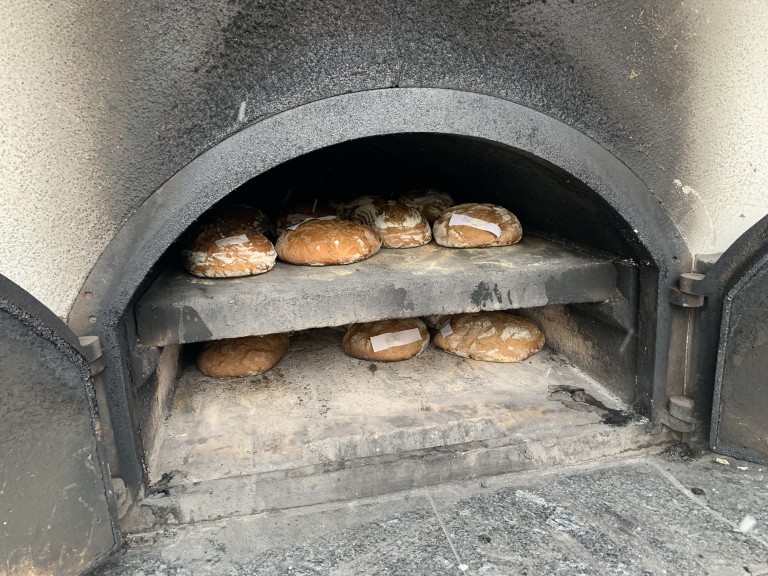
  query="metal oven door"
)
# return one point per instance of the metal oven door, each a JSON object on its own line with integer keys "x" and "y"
{"x": 56, "y": 504}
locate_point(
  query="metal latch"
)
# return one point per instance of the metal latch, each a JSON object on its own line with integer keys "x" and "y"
{"x": 91, "y": 347}
{"x": 687, "y": 293}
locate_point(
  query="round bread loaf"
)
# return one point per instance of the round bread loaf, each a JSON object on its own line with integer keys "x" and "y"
{"x": 398, "y": 225}
{"x": 386, "y": 340}
{"x": 431, "y": 203}
{"x": 490, "y": 336}
{"x": 477, "y": 225}
{"x": 325, "y": 242}
{"x": 299, "y": 213}
{"x": 229, "y": 249}
{"x": 238, "y": 357}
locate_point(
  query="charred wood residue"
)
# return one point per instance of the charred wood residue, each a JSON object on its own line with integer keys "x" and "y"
{"x": 578, "y": 399}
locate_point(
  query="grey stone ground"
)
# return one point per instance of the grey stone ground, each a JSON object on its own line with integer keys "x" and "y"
{"x": 626, "y": 517}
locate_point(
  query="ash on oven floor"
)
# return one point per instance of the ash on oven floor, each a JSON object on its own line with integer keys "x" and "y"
{"x": 319, "y": 407}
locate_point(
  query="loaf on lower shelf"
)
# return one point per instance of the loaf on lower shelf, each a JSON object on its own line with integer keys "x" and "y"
{"x": 239, "y": 357}
{"x": 386, "y": 340}
{"x": 490, "y": 336}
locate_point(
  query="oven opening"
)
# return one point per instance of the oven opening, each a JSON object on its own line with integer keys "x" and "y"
{"x": 322, "y": 425}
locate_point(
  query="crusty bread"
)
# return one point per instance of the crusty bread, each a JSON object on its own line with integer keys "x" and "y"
{"x": 347, "y": 209}
{"x": 490, "y": 336}
{"x": 226, "y": 249}
{"x": 431, "y": 203}
{"x": 462, "y": 226}
{"x": 398, "y": 225}
{"x": 238, "y": 357}
{"x": 386, "y": 340}
{"x": 325, "y": 242}
{"x": 299, "y": 213}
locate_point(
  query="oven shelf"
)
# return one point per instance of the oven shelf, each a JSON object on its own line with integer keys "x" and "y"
{"x": 181, "y": 308}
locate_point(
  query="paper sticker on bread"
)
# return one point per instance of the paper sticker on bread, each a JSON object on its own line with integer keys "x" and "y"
{"x": 386, "y": 340}
{"x": 476, "y": 226}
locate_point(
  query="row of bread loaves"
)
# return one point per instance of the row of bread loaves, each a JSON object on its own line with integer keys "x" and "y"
{"x": 234, "y": 243}
{"x": 488, "y": 336}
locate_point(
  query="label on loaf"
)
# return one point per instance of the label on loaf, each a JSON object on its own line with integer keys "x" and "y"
{"x": 239, "y": 239}
{"x": 308, "y": 219}
{"x": 446, "y": 330}
{"x": 392, "y": 339}
{"x": 464, "y": 220}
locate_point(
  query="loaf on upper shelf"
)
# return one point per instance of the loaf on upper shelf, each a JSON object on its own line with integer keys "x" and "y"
{"x": 229, "y": 249}
{"x": 490, "y": 336}
{"x": 239, "y": 357}
{"x": 386, "y": 340}
{"x": 398, "y": 225}
{"x": 327, "y": 241}
{"x": 477, "y": 225}
{"x": 430, "y": 202}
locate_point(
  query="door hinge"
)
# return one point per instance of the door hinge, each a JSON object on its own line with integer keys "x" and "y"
{"x": 687, "y": 293}
{"x": 91, "y": 349}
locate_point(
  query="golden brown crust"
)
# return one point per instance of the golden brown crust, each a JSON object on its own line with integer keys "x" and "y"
{"x": 357, "y": 340}
{"x": 398, "y": 225}
{"x": 491, "y": 336}
{"x": 431, "y": 203}
{"x": 327, "y": 242}
{"x": 229, "y": 249}
{"x": 238, "y": 357}
{"x": 466, "y": 236}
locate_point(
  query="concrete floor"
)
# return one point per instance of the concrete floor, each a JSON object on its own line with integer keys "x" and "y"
{"x": 622, "y": 516}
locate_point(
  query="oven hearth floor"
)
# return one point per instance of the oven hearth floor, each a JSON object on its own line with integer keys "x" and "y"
{"x": 324, "y": 427}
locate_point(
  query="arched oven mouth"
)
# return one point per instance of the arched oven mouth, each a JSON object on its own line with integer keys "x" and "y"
{"x": 596, "y": 253}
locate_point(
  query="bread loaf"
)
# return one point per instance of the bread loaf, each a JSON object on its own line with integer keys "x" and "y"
{"x": 226, "y": 249}
{"x": 386, "y": 340}
{"x": 398, "y": 225}
{"x": 325, "y": 242}
{"x": 490, "y": 336}
{"x": 477, "y": 225}
{"x": 238, "y": 357}
{"x": 431, "y": 203}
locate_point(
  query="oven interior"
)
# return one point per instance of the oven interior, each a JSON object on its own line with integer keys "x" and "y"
{"x": 580, "y": 273}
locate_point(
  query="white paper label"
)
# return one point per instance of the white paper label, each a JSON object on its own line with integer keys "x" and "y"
{"x": 446, "y": 330}
{"x": 308, "y": 219}
{"x": 464, "y": 220}
{"x": 392, "y": 339}
{"x": 240, "y": 239}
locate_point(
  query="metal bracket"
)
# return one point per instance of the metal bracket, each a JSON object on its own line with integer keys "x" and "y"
{"x": 675, "y": 423}
{"x": 91, "y": 348}
{"x": 687, "y": 294}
